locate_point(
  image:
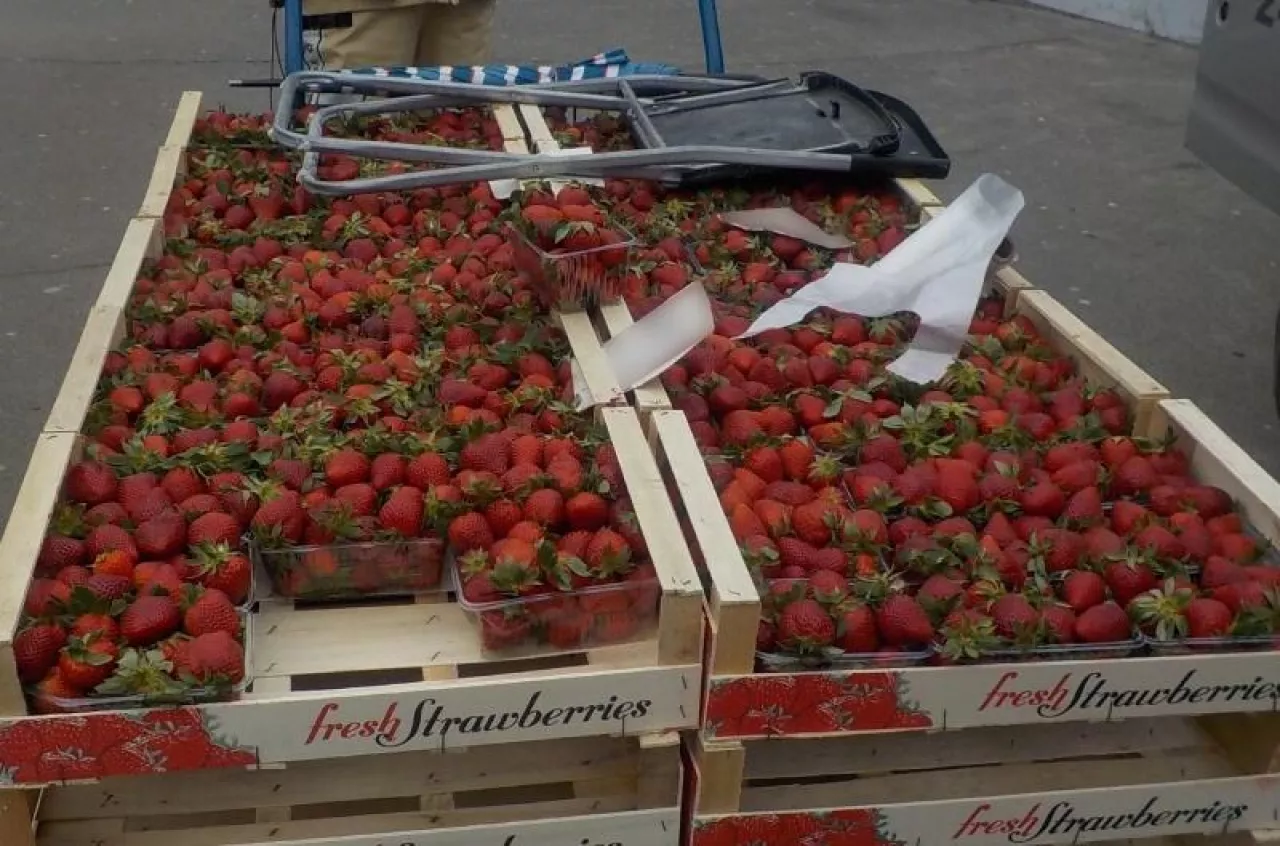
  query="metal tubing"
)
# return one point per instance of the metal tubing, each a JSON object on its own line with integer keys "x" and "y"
{"x": 711, "y": 46}
{"x": 293, "y": 45}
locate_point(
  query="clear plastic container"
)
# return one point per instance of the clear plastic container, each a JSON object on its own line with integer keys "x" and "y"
{"x": 565, "y": 621}
{"x": 777, "y": 662}
{"x": 354, "y": 570}
{"x": 1194, "y": 645}
{"x": 1062, "y": 652}
{"x": 42, "y": 704}
{"x": 578, "y": 277}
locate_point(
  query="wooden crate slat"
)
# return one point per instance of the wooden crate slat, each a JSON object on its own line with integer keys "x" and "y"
{"x": 908, "y": 751}
{"x": 184, "y": 119}
{"x": 540, "y": 824}
{"x": 680, "y": 621}
{"x": 917, "y": 193}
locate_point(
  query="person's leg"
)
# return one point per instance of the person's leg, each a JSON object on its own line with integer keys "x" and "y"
{"x": 385, "y": 38}
{"x": 456, "y": 35}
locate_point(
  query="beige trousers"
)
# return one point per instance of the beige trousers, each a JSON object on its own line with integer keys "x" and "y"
{"x": 428, "y": 34}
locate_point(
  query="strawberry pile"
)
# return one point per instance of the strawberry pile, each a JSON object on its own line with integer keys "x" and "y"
{"x": 549, "y": 551}
{"x": 127, "y": 645}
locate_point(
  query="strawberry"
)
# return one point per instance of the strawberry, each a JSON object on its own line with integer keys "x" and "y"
{"x": 87, "y": 662}
{"x": 1128, "y": 577}
{"x": 813, "y": 522}
{"x": 161, "y": 537}
{"x": 58, "y": 552}
{"x": 149, "y": 619}
{"x": 468, "y": 532}
{"x": 569, "y": 630}
{"x": 346, "y": 467}
{"x": 1208, "y": 617}
{"x": 856, "y": 631}
{"x": 608, "y": 552}
{"x": 210, "y": 611}
{"x": 109, "y": 537}
{"x": 502, "y": 629}
{"x": 797, "y": 458}
{"x": 488, "y": 453}
{"x": 216, "y": 657}
{"x": 939, "y": 594}
{"x": 1160, "y": 542}
{"x": 427, "y": 470}
{"x": 765, "y": 462}
{"x": 109, "y": 587}
{"x": 280, "y": 518}
{"x": 828, "y": 587}
{"x": 502, "y": 516}
{"x": 1043, "y": 500}
{"x": 94, "y": 623}
{"x": 1105, "y": 623}
{"x": 1058, "y": 622}
{"x": 402, "y": 513}
{"x": 45, "y": 597}
{"x": 902, "y": 622}
{"x": 1015, "y": 618}
{"x": 1084, "y": 508}
{"x": 1239, "y": 596}
{"x": 805, "y": 626}
{"x": 214, "y": 527}
{"x": 1133, "y": 476}
{"x": 90, "y": 483}
{"x": 1083, "y": 589}
{"x": 182, "y": 483}
{"x": 1218, "y": 571}
{"x": 35, "y": 650}
{"x": 586, "y": 511}
{"x": 546, "y": 507}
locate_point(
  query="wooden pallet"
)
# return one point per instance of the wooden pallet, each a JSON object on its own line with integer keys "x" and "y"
{"x": 1039, "y": 783}
{"x": 551, "y": 791}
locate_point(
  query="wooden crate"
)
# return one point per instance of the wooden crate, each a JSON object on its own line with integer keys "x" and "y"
{"x": 1065, "y": 783}
{"x": 319, "y": 669}
{"x": 595, "y": 790}
{"x": 922, "y": 750}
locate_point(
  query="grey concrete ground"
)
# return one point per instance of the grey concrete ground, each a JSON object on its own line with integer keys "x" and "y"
{"x": 1174, "y": 266}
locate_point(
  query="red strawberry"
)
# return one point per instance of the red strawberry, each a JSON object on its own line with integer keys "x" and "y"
{"x": 488, "y": 453}
{"x": 59, "y": 551}
{"x": 1134, "y": 475}
{"x": 856, "y": 631}
{"x": 1014, "y": 617}
{"x": 216, "y": 656}
{"x": 1218, "y": 571}
{"x": 149, "y": 619}
{"x": 500, "y": 630}
{"x": 346, "y": 467}
{"x": 1129, "y": 577}
{"x": 402, "y": 513}
{"x": 1208, "y": 617}
{"x": 1084, "y": 508}
{"x": 87, "y": 662}
{"x": 35, "y": 650}
{"x": 90, "y": 482}
{"x": 45, "y": 597}
{"x": 161, "y": 537}
{"x": 805, "y": 626}
{"x": 281, "y": 517}
{"x": 586, "y": 511}
{"x": 211, "y": 611}
{"x": 214, "y": 527}
{"x": 1239, "y": 596}
{"x": 1105, "y": 623}
{"x": 546, "y": 507}
{"x": 902, "y": 622}
{"x": 109, "y": 537}
{"x": 1043, "y": 500}
{"x": 387, "y": 471}
{"x": 470, "y": 531}
{"x": 1082, "y": 589}
{"x": 427, "y": 470}
{"x": 1059, "y": 623}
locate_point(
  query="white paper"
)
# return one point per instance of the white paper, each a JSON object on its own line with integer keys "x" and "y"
{"x": 937, "y": 273}
{"x": 649, "y": 346}
{"x": 785, "y": 220}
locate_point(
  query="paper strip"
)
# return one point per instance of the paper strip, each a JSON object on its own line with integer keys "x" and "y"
{"x": 937, "y": 273}
{"x": 786, "y": 221}
{"x": 649, "y": 346}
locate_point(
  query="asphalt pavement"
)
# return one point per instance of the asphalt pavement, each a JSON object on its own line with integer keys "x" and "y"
{"x": 1173, "y": 265}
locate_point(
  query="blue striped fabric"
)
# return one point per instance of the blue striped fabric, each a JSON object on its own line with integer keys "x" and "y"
{"x": 610, "y": 63}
